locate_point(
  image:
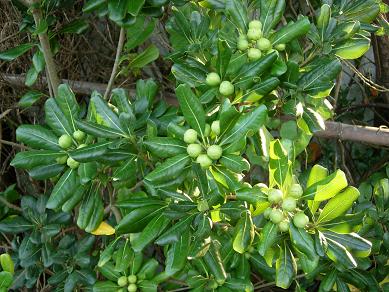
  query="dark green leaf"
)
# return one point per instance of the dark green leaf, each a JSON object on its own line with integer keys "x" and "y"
{"x": 13, "y": 53}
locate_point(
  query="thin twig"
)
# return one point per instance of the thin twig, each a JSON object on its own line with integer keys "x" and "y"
{"x": 45, "y": 44}
{"x": 10, "y": 205}
{"x": 12, "y": 144}
{"x": 119, "y": 49}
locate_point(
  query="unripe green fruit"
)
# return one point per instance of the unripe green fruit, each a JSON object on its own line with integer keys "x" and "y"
{"x": 255, "y": 24}
{"x": 72, "y": 163}
{"x": 274, "y": 195}
{"x": 213, "y": 79}
{"x": 207, "y": 130}
{"x": 79, "y": 135}
{"x": 264, "y": 44}
{"x": 254, "y": 34}
{"x": 212, "y": 284}
{"x": 132, "y": 288}
{"x": 214, "y": 152}
{"x": 194, "y": 150}
{"x": 276, "y": 216}
{"x": 62, "y": 159}
{"x": 226, "y": 88}
{"x": 295, "y": 191}
{"x": 267, "y": 212}
{"x": 204, "y": 161}
{"x": 243, "y": 44}
{"x": 215, "y": 127}
{"x": 280, "y": 47}
{"x": 254, "y": 54}
{"x": 289, "y": 204}
{"x": 122, "y": 281}
{"x": 132, "y": 279}
{"x": 300, "y": 220}
{"x": 202, "y": 206}
{"x": 283, "y": 226}
{"x": 65, "y": 141}
{"x": 190, "y": 136}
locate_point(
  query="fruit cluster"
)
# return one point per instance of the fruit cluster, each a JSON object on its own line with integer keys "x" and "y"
{"x": 130, "y": 281}
{"x": 225, "y": 88}
{"x": 285, "y": 207}
{"x": 255, "y": 43}
{"x": 66, "y": 142}
{"x": 195, "y": 148}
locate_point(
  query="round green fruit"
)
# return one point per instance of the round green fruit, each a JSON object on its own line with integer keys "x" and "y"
{"x": 226, "y": 88}
{"x": 132, "y": 279}
{"x": 214, "y": 152}
{"x": 207, "y": 130}
{"x": 215, "y": 127}
{"x": 289, "y": 204}
{"x": 267, "y": 212}
{"x": 243, "y": 44}
{"x": 264, "y": 44}
{"x": 204, "y": 161}
{"x": 79, "y": 135}
{"x": 255, "y": 24}
{"x": 132, "y": 288}
{"x": 295, "y": 191}
{"x": 190, "y": 136}
{"x": 254, "y": 34}
{"x": 122, "y": 281}
{"x": 283, "y": 226}
{"x": 276, "y": 216}
{"x": 194, "y": 150}
{"x": 65, "y": 141}
{"x": 213, "y": 79}
{"x": 300, "y": 220}
{"x": 62, "y": 159}
{"x": 274, "y": 196}
{"x": 280, "y": 47}
{"x": 72, "y": 163}
{"x": 254, "y": 54}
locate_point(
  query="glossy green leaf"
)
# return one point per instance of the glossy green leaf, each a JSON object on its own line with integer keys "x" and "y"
{"x": 6, "y": 279}
{"x": 173, "y": 234}
{"x": 147, "y": 56}
{"x": 46, "y": 171}
{"x": 247, "y": 123}
{"x": 68, "y": 104}
{"x": 56, "y": 119}
{"x": 63, "y": 189}
{"x": 170, "y": 169}
{"x": 117, "y": 9}
{"x": 177, "y": 254}
{"x": 93, "y": 5}
{"x": 352, "y": 49}
{"x": 13, "y": 53}
{"x": 152, "y": 230}
{"x": 327, "y": 188}
{"x": 77, "y": 26}
{"x": 244, "y": 233}
{"x": 280, "y": 167}
{"x": 291, "y": 31}
{"x": 107, "y": 115}
{"x": 29, "y": 98}
{"x": 33, "y": 158}
{"x": 269, "y": 235}
{"x": 191, "y": 108}
{"x": 191, "y": 76}
{"x": 235, "y": 163}
{"x": 338, "y": 205}
{"x": 286, "y": 267}
{"x": 271, "y": 14}
{"x": 137, "y": 219}
{"x": 37, "y": 137}
{"x": 165, "y": 147}
{"x": 97, "y": 130}
{"x": 31, "y": 77}
{"x": 15, "y": 224}
{"x": 303, "y": 241}
{"x": 91, "y": 152}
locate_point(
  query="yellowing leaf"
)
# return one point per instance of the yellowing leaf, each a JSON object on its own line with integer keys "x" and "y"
{"x": 104, "y": 229}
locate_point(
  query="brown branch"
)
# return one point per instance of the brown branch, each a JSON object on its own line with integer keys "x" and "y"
{"x": 334, "y": 130}
{"x": 119, "y": 50}
{"x": 45, "y": 45}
